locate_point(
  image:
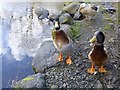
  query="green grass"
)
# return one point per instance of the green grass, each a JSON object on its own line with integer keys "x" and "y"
{"x": 27, "y": 79}
{"x": 74, "y": 31}
{"x": 109, "y": 20}
{"x": 107, "y": 27}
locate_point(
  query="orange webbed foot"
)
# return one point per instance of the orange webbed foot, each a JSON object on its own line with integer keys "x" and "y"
{"x": 91, "y": 70}
{"x": 102, "y": 69}
{"x": 69, "y": 61}
{"x": 60, "y": 58}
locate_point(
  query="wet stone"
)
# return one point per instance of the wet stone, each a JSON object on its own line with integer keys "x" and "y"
{"x": 109, "y": 86}
{"x": 45, "y": 58}
{"x": 66, "y": 19}
{"x": 71, "y": 8}
{"x": 98, "y": 84}
{"x": 54, "y": 87}
{"x": 31, "y": 81}
{"x": 109, "y": 77}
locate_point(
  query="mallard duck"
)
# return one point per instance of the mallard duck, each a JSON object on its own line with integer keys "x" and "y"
{"x": 61, "y": 41}
{"x": 98, "y": 54}
{"x": 88, "y": 10}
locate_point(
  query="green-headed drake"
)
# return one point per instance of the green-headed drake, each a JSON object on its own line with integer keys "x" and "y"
{"x": 61, "y": 41}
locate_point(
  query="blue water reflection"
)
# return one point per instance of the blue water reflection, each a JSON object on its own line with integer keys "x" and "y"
{"x": 14, "y": 70}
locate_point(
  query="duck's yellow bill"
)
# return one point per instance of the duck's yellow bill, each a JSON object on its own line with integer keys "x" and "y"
{"x": 94, "y": 39}
{"x": 56, "y": 25}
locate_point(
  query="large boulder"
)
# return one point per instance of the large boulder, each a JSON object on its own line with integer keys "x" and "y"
{"x": 71, "y": 8}
{"x": 53, "y": 16}
{"x": 45, "y": 57}
{"x": 31, "y": 81}
{"x": 41, "y": 13}
{"x": 66, "y": 19}
{"x": 78, "y": 16}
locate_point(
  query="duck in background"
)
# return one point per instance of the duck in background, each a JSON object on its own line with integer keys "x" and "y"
{"x": 61, "y": 41}
{"x": 98, "y": 54}
{"x": 88, "y": 10}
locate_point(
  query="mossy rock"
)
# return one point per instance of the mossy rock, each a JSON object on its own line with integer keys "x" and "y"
{"x": 66, "y": 19}
{"x": 71, "y": 8}
{"x": 31, "y": 81}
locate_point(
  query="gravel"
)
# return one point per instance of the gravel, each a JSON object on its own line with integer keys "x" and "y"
{"x": 61, "y": 75}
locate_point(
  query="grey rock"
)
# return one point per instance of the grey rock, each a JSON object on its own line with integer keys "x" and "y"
{"x": 109, "y": 86}
{"x": 64, "y": 85}
{"x": 45, "y": 57}
{"x": 90, "y": 79}
{"x": 109, "y": 77}
{"x": 32, "y": 81}
{"x": 115, "y": 79}
{"x": 52, "y": 17}
{"x": 41, "y": 13}
{"x": 66, "y": 19}
{"x": 71, "y": 8}
{"x": 98, "y": 84}
{"x": 65, "y": 28}
{"x": 54, "y": 87}
{"x": 110, "y": 10}
{"x": 78, "y": 16}
{"x": 79, "y": 64}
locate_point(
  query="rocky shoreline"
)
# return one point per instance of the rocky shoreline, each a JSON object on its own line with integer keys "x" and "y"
{"x": 49, "y": 73}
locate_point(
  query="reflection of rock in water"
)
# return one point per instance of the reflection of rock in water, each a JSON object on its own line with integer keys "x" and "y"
{"x": 27, "y": 34}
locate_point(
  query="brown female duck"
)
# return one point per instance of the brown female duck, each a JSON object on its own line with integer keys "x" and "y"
{"x": 98, "y": 54}
{"x": 88, "y": 10}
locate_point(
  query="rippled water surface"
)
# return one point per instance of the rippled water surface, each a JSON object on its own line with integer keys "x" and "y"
{"x": 19, "y": 43}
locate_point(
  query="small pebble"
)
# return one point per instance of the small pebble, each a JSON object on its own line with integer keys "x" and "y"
{"x": 54, "y": 87}
{"x": 109, "y": 86}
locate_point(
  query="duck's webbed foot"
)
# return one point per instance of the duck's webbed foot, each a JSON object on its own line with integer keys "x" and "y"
{"x": 102, "y": 69}
{"x": 91, "y": 70}
{"x": 60, "y": 58}
{"x": 69, "y": 61}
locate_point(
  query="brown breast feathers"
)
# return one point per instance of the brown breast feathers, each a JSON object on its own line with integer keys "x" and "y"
{"x": 61, "y": 37}
{"x": 98, "y": 55}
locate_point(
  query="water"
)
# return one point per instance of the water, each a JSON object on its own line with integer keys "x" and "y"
{"x": 19, "y": 43}
{"x": 14, "y": 70}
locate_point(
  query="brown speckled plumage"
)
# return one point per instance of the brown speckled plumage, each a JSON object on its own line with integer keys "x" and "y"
{"x": 98, "y": 55}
